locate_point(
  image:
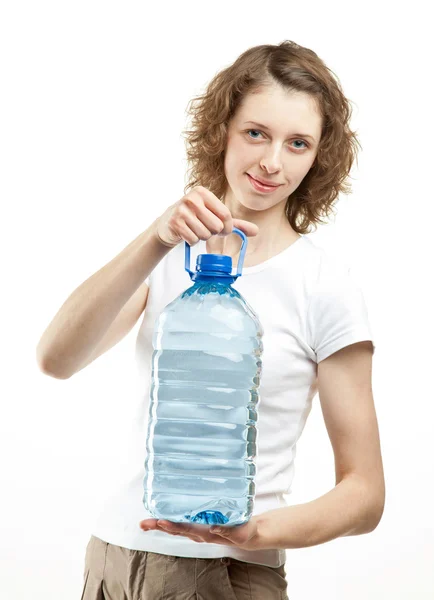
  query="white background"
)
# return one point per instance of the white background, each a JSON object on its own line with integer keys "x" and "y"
{"x": 92, "y": 108}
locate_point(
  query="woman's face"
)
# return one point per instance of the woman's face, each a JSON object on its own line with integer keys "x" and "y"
{"x": 281, "y": 150}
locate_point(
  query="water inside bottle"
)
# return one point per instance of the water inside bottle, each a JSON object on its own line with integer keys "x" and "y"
{"x": 201, "y": 441}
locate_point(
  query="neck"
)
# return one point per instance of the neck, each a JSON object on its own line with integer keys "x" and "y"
{"x": 274, "y": 229}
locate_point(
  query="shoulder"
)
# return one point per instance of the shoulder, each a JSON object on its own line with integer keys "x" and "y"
{"x": 337, "y": 313}
{"x": 326, "y": 268}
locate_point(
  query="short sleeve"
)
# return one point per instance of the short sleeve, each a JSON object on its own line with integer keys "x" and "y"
{"x": 337, "y": 313}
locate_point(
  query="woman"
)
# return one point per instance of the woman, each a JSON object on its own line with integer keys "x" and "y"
{"x": 270, "y": 150}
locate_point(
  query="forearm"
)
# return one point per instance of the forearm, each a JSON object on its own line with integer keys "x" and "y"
{"x": 88, "y": 312}
{"x": 347, "y": 509}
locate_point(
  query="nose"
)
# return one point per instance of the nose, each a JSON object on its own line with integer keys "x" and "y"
{"x": 271, "y": 161}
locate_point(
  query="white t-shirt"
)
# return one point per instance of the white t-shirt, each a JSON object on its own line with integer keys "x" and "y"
{"x": 309, "y": 307}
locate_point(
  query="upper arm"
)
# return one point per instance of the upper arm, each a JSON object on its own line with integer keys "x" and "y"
{"x": 347, "y": 404}
{"x": 123, "y": 323}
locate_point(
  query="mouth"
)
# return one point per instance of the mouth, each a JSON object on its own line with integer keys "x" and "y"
{"x": 261, "y": 187}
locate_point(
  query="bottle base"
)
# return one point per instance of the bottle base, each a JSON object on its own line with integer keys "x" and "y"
{"x": 221, "y": 511}
{"x": 208, "y": 517}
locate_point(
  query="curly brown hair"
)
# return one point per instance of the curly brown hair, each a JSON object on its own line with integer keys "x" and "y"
{"x": 295, "y": 68}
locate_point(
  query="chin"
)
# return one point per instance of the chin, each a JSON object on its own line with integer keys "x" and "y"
{"x": 256, "y": 202}
{"x": 256, "y": 206}
{"x": 249, "y": 203}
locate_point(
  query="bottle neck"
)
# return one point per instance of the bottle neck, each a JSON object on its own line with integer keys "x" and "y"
{"x": 203, "y": 276}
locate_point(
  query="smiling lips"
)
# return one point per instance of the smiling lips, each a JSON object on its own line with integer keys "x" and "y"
{"x": 264, "y": 182}
{"x": 258, "y": 186}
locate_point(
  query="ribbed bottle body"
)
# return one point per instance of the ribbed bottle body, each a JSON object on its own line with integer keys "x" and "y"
{"x": 201, "y": 437}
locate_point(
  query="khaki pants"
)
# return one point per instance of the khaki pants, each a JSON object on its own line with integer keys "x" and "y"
{"x": 115, "y": 573}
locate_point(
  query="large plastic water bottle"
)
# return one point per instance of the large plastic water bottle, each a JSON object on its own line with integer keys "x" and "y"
{"x": 206, "y": 367}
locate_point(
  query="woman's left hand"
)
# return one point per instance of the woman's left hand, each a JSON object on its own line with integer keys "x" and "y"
{"x": 244, "y": 536}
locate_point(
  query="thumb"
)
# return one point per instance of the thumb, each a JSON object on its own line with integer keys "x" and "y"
{"x": 247, "y": 227}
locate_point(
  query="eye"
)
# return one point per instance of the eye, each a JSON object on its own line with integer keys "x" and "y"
{"x": 303, "y": 142}
{"x": 257, "y": 131}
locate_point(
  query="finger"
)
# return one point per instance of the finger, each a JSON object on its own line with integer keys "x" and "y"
{"x": 181, "y": 528}
{"x": 149, "y": 523}
{"x": 222, "y": 211}
{"x": 247, "y": 227}
{"x": 211, "y": 221}
{"x": 196, "y": 226}
{"x": 235, "y": 535}
{"x": 175, "y": 529}
{"x": 187, "y": 234}
{"x": 217, "y": 207}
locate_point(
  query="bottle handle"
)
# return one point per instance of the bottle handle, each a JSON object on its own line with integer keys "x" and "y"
{"x": 240, "y": 258}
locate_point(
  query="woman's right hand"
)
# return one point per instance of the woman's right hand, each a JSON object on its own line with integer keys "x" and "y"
{"x": 198, "y": 216}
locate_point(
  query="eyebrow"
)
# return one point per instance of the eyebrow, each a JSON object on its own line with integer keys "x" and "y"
{"x": 268, "y": 129}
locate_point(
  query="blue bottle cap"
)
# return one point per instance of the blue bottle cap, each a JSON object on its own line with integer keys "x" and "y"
{"x": 216, "y": 265}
